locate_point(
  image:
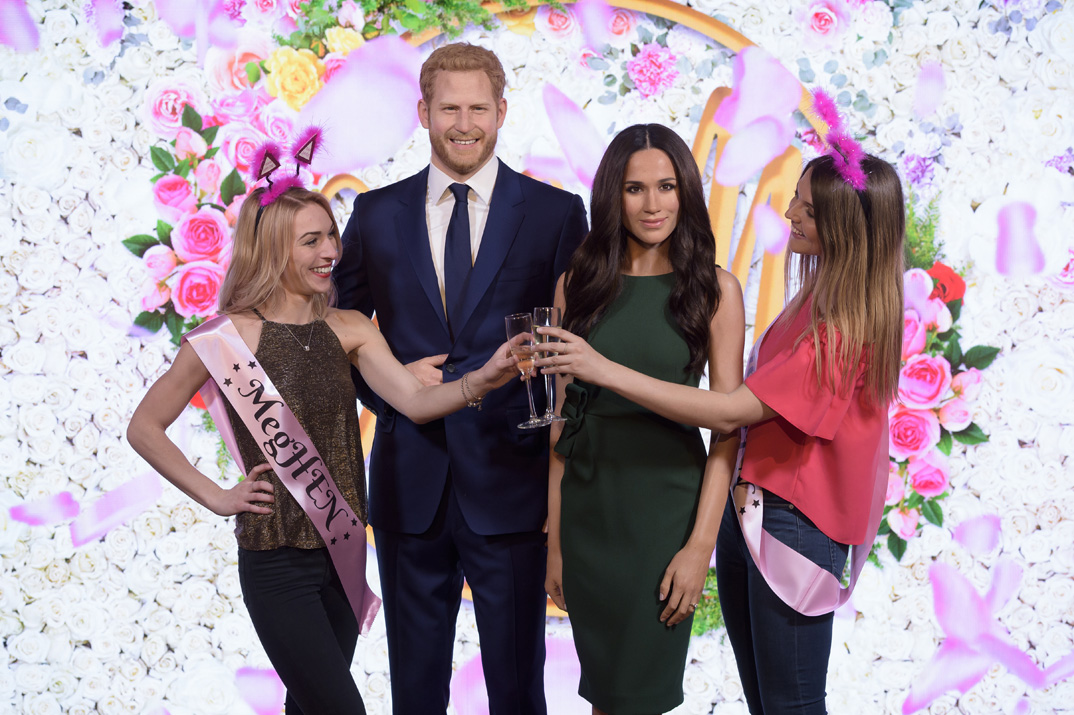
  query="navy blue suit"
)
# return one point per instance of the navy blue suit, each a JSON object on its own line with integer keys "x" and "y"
{"x": 468, "y": 493}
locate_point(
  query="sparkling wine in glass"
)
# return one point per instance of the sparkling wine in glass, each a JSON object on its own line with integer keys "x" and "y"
{"x": 520, "y": 337}
{"x": 548, "y": 318}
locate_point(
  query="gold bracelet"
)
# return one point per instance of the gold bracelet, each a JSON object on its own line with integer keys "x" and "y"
{"x": 472, "y": 400}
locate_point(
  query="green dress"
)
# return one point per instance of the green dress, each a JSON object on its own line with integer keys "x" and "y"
{"x": 630, "y": 492}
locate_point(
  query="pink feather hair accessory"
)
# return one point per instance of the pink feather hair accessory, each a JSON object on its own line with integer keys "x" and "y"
{"x": 846, "y": 152}
{"x": 269, "y": 157}
{"x": 306, "y": 145}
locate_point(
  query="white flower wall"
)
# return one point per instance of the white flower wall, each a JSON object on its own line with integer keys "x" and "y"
{"x": 149, "y": 617}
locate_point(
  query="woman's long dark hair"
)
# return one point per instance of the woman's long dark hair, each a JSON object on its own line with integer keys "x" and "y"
{"x": 594, "y": 278}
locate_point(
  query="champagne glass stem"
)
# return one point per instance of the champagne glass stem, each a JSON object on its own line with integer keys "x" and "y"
{"x": 550, "y": 393}
{"x": 529, "y": 394}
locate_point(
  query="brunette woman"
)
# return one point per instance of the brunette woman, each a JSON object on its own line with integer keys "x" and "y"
{"x": 634, "y": 500}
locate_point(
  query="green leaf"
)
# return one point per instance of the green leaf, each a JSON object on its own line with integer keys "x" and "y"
{"x": 607, "y": 98}
{"x": 980, "y": 356}
{"x": 150, "y": 321}
{"x": 162, "y": 158}
{"x": 209, "y": 134}
{"x": 807, "y": 75}
{"x": 914, "y": 501}
{"x": 831, "y": 66}
{"x": 955, "y": 306}
{"x": 931, "y": 510}
{"x": 212, "y": 152}
{"x": 884, "y": 529}
{"x": 174, "y": 322}
{"x": 953, "y": 352}
{"x": 597, "y": 63}
{"x": 253, "y": 72}
{"x": 231, "y": 187}
{"x": 662, "y": 39}
{"x": 896, "y": 546}
{"x": 945, "y": 443}
{"x": 182, "y": 168}
{"x": 139, "y": 244}
{"x": 411, "y": 22}
{"x": 971, "y": 435}
{"x": 418, "y": 7}
{"x": 610, "y": 80}
{"x": 164, "y": 233}
{"x": 191, "y": 118}
{"x": 644, "y": 35}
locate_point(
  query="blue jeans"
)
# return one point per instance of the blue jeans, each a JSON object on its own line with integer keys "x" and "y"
{"x": 306, "y": 625}
{"x": 782, "y": 656}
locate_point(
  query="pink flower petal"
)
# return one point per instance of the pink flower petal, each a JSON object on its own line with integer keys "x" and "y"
{"x": 1013, "y": 659}
{"x": 582, "y": 144}
{"x": 18, "y": 30}
{"x": 930, "y": 89}
{"x": 207, "y": 22}
{"x": 979, "y": 535}
{"x": 594, "y": 16}
{"x": 50, "y": 510}
{"x": 1060, "y": 670}
{"x": 116, "y": 507}
{"x": 381, "y": 77}
{"x": 1006, "y": 578}
{"x": 107, "y": 19}
{"x": 961, "y": 611}
{"x": 1022, "y": 708}
{"x": 955, "y": 666}
{"x": 772, "y": 229}
{"x": 261, "y": 689}
{"x": 750, "y": 150}
{"x": 762, "y": 87}
{"x": 550, "y": 168}
{"x": 1017, "y": 250}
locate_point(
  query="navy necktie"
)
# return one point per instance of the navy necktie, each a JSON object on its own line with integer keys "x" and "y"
{"x": 457, "y": 260}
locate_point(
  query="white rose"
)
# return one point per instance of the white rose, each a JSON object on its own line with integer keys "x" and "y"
{"x": 31, "y": 200}
{"x": 1016, "y": 64}
{"x": 94, "y": 686}
{"x": 31, "y": 677}
{"x": 940, "y": 27}
{"x": 37, "y": 420}
{"x": 62, "y": 684}
{"x": 29, "y": 647}
{"x": 57, "y": 572}
{"x": 37, "y": 155}
{"x": 41, "y": 704}
{"x": 874, "y": 21}
{"x": 171, "y": 550}
{"x": 205, "y": 687}
{"x": 1058, "y": 29}
{"x": 25, "y": 357}
{"x": 1055, "y": 73}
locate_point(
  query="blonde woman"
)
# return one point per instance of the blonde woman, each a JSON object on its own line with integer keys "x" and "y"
{"x": 292, "y": 387}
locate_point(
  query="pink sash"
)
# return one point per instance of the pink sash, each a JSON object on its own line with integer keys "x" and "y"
{"x": 800, "y": 583}
{"x": 237, "y": 376}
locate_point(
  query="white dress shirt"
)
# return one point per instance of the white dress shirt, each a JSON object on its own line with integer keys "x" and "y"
{"x": 439, "y": 203}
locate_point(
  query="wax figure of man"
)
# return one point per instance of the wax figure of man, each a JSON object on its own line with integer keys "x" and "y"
{"x": 441, "y": 265}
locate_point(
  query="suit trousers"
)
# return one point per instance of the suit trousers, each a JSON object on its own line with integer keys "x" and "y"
{"x": 306, "y": 625}
{"x": 421, "y": 576}
{"x": 782, "y": 656}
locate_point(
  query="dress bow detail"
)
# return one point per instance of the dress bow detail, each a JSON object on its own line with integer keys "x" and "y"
{"x": 573, "y": 410}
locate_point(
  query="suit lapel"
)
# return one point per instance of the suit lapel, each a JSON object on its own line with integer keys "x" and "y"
{"x": 413, "y": 232}
{"x": 506, "y": 211}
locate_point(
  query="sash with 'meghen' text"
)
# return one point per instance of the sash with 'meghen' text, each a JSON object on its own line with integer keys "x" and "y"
{"x": 237, "y": 376}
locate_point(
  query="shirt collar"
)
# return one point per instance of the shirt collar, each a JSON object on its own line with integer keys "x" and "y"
{"x": 481, "y": 183}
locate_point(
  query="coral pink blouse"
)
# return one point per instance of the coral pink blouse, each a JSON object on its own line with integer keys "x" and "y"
{"x": 824, "y": 451}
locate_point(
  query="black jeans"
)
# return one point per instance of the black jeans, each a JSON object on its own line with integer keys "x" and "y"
{"x": 306, "y": 625}
{"x": 782, "y": 656}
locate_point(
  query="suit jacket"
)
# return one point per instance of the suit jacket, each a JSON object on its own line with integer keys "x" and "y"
{"x": 499, "y": 473}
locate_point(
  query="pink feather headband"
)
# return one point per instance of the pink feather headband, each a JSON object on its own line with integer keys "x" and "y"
{"x": 846, "y": 153}
{"x": 268, "y": 158}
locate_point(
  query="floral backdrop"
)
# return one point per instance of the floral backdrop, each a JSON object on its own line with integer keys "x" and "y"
{"x": 126, "y": 129}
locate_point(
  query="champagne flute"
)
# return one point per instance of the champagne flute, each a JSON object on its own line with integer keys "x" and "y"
{"x": 548, "y": 318}
{"x": 520, "y": 336}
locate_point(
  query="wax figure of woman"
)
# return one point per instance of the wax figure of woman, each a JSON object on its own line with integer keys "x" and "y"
{"x": 634, "y": 501}
{"x": 277, "y": 293}
{"x": 815, "y": 459}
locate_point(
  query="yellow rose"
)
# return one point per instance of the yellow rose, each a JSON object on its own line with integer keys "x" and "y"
{"x": 520, "y": 21}
{"x": 343, "y": 39}
{"x": 294, "y": 76}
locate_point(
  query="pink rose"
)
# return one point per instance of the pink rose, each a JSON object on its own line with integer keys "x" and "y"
{"x": 913, "y": 432}
{"x": 622, "y": 23}
{"x": 559, "y": 24}
{"x": 333, "y": 62}
{"x": 896, "y": 485}
{"x": 955, "y": 415}
{"x": 292, "y": 7}
{"x": 159, "y": 294}
{"x": 276, "y": 121}
{"x": 200, "y": 236}
{"x": 164, "y": 102}
{"x": 208, "y": 175}
{"x": 227, "y": 68}
{"x": 196, "y": 289}
{"x": 1065, "y": 277}
{"x": 159, "y": 261}
{"x": 653, "y": 69}
{"x": 350, "y": 15}
{"x": 261, "y": 9}
{"x": 232, "y": 213}
{"x": 928, "y": 474}
{"x": 904, "y": 522}
{"x": 238, "y": 142}
{"x": 173, "y": 197}
{"x": 916, "y": 289}
{"x": 967, "y": 385}
{"x": 583, "y": 58}
{"x": 236, "y": 106}
{"x": 189, "y": 144}
{"x": 913, "y": 334}
{"x": 923, "y": 381}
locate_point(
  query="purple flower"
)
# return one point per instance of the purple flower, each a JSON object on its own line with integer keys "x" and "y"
{"x": 233, "y": 8}
{"x": 918, "y": 170}
{"x": 1062, "y": 162}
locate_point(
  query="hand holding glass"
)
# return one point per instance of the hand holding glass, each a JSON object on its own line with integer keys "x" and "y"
{"x": 548, "y": 318}
{"x": 520, "y": 337}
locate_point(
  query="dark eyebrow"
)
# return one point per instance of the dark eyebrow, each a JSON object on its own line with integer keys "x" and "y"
{"x": 659, "y": 181}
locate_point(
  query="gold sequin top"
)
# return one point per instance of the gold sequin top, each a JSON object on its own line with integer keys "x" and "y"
{"x": 316, "y": 385}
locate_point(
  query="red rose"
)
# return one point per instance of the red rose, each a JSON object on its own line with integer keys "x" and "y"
{"x": 949, "y": 285}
